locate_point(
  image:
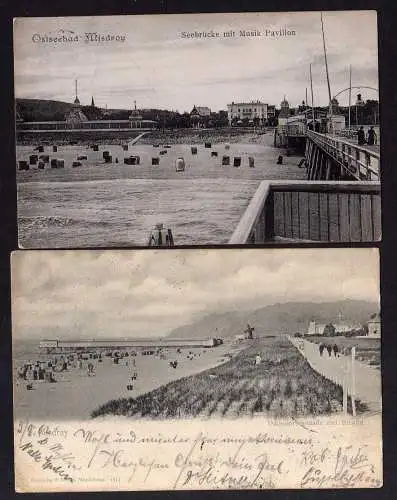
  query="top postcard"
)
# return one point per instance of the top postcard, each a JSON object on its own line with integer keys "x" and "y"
{"x": 197, "y": 129}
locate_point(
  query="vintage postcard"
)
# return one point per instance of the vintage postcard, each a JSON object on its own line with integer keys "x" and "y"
{"x": 196, "y": 369}
{"x": 197, "y": 129}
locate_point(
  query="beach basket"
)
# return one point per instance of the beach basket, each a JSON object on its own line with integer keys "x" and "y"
{"x": 33, "y": 159}
{"x": 180, "y": 165}
{"x": 23, "y": 165}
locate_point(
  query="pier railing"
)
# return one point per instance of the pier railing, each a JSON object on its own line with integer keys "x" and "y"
{"x": 311, "y": 211}
{"x": 359, "y": 161}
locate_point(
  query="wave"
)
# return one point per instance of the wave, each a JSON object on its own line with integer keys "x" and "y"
{"x": 41, "y": 221}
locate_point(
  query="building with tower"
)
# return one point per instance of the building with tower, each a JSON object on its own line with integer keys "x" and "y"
{"x": 135, "y": 118}
{"x": 340, "y": 327}
{"x": 335, "y": 120}
{"x": 199, "y": 116}
{"x": 285, "y": 112}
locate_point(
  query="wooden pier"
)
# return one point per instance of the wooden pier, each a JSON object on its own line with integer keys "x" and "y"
{"x": 290, "y": 137}
{"x": 330, "y": 157}
{"x": 311, "y": 211}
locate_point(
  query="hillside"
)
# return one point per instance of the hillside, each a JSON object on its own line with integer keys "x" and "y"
{"x": 41, "y": 110}
{"x": 288, "y": 317}
{"x": 45, "y": 110}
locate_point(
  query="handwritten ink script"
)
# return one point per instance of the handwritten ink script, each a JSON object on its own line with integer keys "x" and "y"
{"x": 74, "y": 456}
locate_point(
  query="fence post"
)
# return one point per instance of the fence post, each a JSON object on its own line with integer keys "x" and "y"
{"x": 353, "y": 382}
{"x": 345, "y": 375}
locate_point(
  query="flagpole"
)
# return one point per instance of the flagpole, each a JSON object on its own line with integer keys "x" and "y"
{"x": 350, "y": 96}
{"x": 327, "y": 73}
{"x": 311, "y": 89}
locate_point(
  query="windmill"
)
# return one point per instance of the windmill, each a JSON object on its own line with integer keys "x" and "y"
{"x": 249, "y": 331}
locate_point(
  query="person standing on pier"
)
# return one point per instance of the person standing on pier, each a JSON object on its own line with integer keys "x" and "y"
{"x": 361, "y": 136}
{"x": 371, "y": 137}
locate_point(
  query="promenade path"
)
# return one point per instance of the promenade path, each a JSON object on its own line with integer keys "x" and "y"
{"x": 367, "y": 378}
{"x": 136, "y": 139}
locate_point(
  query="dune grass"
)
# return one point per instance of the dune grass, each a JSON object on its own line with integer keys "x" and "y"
{"x": 283, "y": 385}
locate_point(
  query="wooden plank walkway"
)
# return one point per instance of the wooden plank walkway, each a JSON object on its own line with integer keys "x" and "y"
{"x": 359, "y": 162}
{"x": 367, "y": 378}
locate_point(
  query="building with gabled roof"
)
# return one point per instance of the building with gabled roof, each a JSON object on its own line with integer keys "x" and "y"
{"x": 374, "y": 327}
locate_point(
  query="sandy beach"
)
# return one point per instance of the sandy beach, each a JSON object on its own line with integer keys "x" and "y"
{"x": 76, "y": 395}
{"x": 102, "y": 205}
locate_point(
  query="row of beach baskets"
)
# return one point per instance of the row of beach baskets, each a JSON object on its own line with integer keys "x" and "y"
{"x": 44, "y": 159}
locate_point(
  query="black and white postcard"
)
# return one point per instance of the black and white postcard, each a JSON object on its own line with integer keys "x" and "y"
{"x": 196, "y": 369}
{"x": 197, "y": 129}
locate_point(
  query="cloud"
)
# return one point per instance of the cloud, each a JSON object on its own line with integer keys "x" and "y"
{"x": 165, "y": 70}
{"x": 142, "y": 293}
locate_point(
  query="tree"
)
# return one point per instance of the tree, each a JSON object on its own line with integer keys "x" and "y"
{"x": 329, "y": 330}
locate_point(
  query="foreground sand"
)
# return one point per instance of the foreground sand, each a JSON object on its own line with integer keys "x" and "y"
{"x": 76, "y": 395}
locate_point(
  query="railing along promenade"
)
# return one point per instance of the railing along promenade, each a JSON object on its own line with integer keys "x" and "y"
{"x": 357, "y": 379}
{"x": 88, "y": 126}
{"x": 361, "y": 162}
{"x": 311, "y": 211}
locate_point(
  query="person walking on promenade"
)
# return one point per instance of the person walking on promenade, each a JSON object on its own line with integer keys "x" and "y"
{"x": 321, "y": 348}
{"x": 336, "y": 350}
{"x": 361, "y": 136}
{"x": 329, "y": 349}
{"x": 371, "y": 137}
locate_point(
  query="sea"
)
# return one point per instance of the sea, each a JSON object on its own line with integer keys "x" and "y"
{"x": 116, "y": 205}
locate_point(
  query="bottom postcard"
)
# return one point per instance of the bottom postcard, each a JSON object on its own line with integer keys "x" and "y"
{"x": 196, "y": 369}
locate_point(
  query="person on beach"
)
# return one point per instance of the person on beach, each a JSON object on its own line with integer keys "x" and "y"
{"x": 258, "y": 359}
{"x": 371, "y": 137}
{"x": 361, "y": 136}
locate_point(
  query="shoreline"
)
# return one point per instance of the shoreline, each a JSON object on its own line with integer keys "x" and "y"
{"x": 76, "y": 394}
{"x": 172, "y": 136}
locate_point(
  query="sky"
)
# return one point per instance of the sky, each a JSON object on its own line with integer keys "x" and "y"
{"x": 158, "y": 68}
{"x": 114, "y": 294}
